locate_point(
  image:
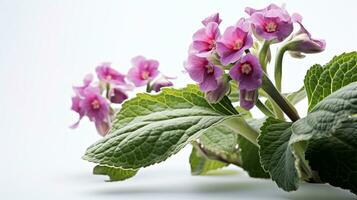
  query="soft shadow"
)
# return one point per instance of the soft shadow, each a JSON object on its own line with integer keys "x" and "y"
{"x": 319, "y": 191}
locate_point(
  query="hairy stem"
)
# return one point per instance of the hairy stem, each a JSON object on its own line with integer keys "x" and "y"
{"x": 279, "y": 99}
{"x": 148, "y": 87}
{"x": 214, "y": 156}
{"x": 263, "y": 55}
{"x": 242, "y": 128}
{"x": 260, "y": 105}
{"x": 278, "y": 67}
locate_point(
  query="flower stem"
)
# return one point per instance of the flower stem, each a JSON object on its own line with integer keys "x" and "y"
{"x": 278, "y": 67}
{"x": 107, "y": 89}
{"x": 242, "y": 128}
{"x": 279, "y": 99}
{"x": 260, "y": 105}
{"x": 233, "y": 158}
{"x": 148, "y": 87}
{"x": 299, "y": 148}
{"x": 263, "y": 55}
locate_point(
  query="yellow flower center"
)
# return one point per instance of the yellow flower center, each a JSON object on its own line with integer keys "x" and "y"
{"x": 145, "y": 75}
{"x": 271, "y": 27}
{"x": 246, "y": 68}
{"x": 238, "y": 45}
{"x": 95, "y": 104}
{"x": 210, "y": 69}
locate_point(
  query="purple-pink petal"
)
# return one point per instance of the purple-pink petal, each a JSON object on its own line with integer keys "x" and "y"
{"x": 161, "y": 82}
{"x": 203, "y": 72}
{"x": 272, "y": 23}
{"x": 234, "y": 41}
{"x": 117, "y": 95}
{"x": 143, "y": 70}
{"x": 204, "y": 40}
{"x": 102, "y": 127}
{"x": 86, "y": 82}
{"x": 212, "y": 18}
{"x": 107, "y": 74}
{"x": 248, "y": 98}
{"x": 247, "y": 72}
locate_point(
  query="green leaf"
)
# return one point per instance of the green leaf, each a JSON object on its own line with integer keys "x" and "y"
{"x": 250, "y": 153}
{"x": 234, "y": 92}
{"x": 328, "y": 134}
{"x": 115, "y": 174}
{"x": 201, "y": 165}
{"x": 322, "y": 81}
{"x": 331, "y": 132}
{"x": 276, "y": 154}
{"x": 150, "y": 128}
{"x": 223, "y": 143}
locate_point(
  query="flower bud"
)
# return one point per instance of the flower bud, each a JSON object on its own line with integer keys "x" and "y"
{"x": 216, "y": 95}
{"x": 302, "y": 42}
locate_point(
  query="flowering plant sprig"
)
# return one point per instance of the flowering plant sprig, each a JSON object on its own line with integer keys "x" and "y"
{"x": 228, "y": 67}
{"x": 97, "y": 100}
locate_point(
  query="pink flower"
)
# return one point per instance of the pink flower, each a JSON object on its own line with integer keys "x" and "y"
{"x": 247, "y": 72}
{"x": 162, "y": 82}
{"x": 302, "y": 42}
{"x": 204, "y": 40}
{"x": 143, "y": 70}
{"x": 272, "y": 23}
{"x": 212, "y": 18}
{"x": 233, "y": 43}
{"x": 106, "y": 74}
{"x": 91, "y": 104}
{"x": 96, "y": 108}
{"x": 223, "y": 87}
{"x": 76, "y": 107}
{"x": 204, "y": 72}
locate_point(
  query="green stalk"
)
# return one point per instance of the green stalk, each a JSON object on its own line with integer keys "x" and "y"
{"x": 242, "y": 128}
{"x": 299, "y": 151}
{"x": 279, "y": 99}
{"x": 148, "y": 87}
{"x": 234, "y": 158}
{"x": 263, "y": 55}
{"x": 278, "y": 67}
{"x": 260, "y": 105}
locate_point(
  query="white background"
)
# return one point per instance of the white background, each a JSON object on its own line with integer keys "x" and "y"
{"x": 47, "y": 46}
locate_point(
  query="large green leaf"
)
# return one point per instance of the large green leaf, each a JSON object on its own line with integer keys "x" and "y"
{"x": 115, "y": 174}
{"x": 150, "y": 128}
{"x": 331, "y": 132}
{"x": 276, "y": 154}
{"x": 328, "y": 134}
{"x": 201, "y": 165}
{"x": 322, "y": 81}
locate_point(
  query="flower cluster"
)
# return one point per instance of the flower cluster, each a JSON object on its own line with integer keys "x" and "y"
{"x": 96, "y": 99}
{"x": 215, "y": 59}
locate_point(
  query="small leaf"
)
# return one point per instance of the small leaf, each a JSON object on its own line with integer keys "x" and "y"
{"x": 115, "y": 174}
{"x": 150, "y": 128}
{"x": 322, "y": 81}
{"x": 201, "y": 165}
